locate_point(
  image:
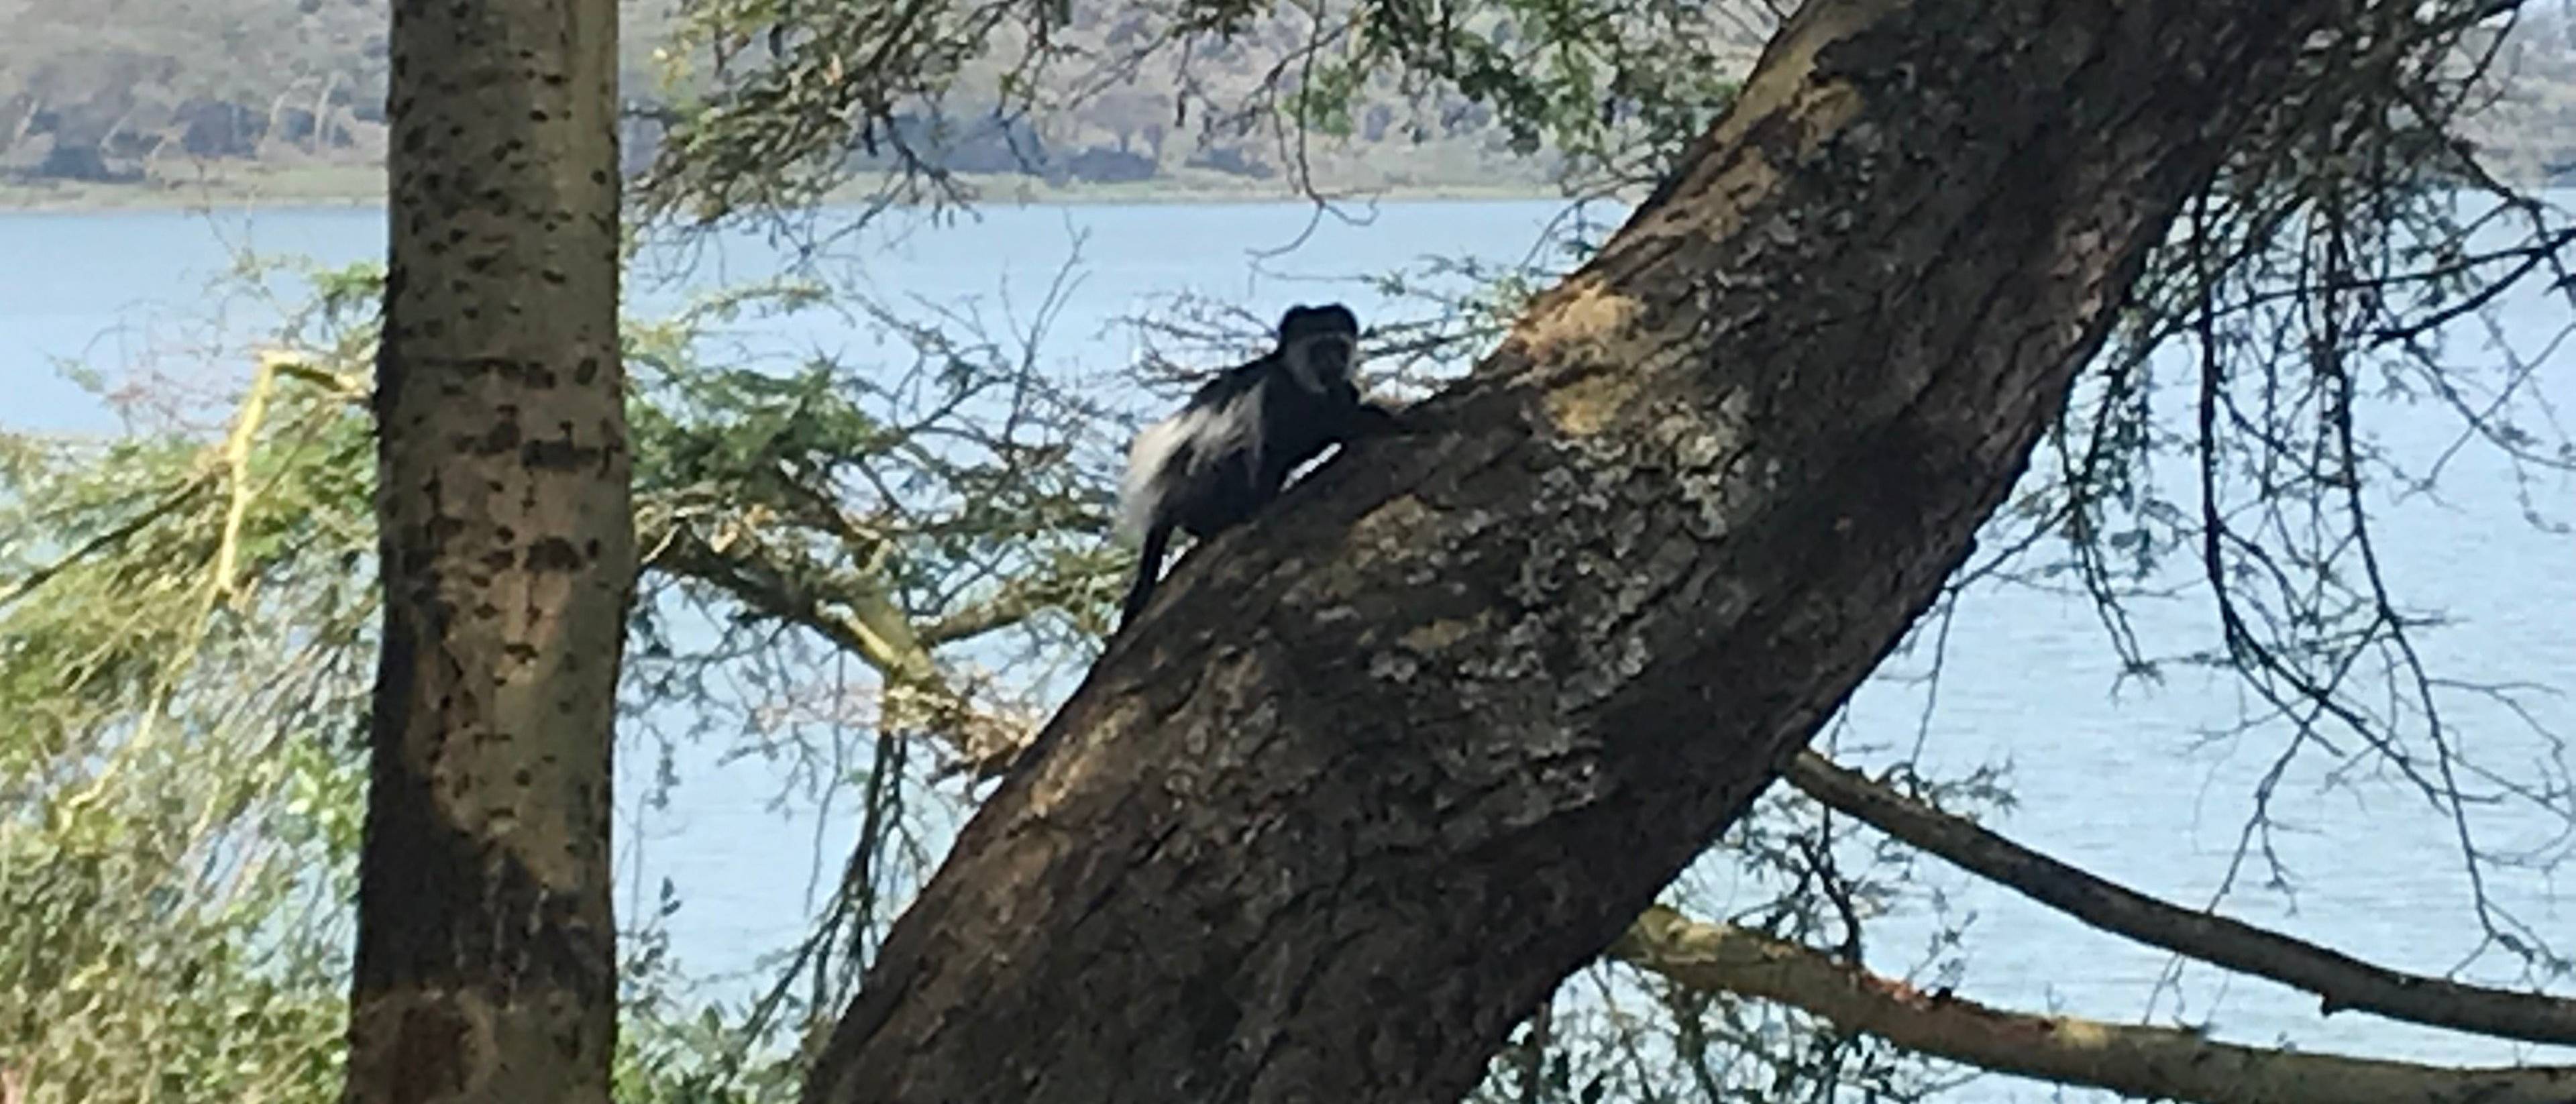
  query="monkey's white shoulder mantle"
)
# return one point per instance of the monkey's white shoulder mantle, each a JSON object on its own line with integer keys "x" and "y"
{"x": 1179, "y": 448}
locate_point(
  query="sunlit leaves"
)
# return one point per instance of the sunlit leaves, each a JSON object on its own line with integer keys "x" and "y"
{"x": 182, "y": 789}
{"x": 179, "y": 758}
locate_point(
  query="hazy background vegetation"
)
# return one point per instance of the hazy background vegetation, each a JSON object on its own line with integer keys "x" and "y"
{"x": 122, "y": 100}
{"x": 110, "y": 101}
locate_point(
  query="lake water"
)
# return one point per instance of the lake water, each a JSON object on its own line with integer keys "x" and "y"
{"x": 2125, "y": 786}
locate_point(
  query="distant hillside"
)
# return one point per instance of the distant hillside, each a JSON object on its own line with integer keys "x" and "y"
{"x": 119, "y": 100}
{"x": 2531, "y": 132}
{"x": 127, "y": 91}
{"x": 109, "y": 101}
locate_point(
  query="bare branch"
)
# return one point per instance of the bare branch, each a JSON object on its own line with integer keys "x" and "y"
{"x": 2149, "y": 1062}
{"x": 853, "y": 612}
{"x": 2341, "y": 981}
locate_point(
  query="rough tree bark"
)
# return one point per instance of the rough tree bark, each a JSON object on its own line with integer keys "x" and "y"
{"x": 485, "y": 964}
{"x": 1381, "y": 768}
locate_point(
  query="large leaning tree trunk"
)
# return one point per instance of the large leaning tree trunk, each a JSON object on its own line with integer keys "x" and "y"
{"x": 1382, "y": 768}
{"x": 485, "y": 964}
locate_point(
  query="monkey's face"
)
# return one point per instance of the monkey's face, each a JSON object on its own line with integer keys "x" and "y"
{"x": 1320, "y": 344}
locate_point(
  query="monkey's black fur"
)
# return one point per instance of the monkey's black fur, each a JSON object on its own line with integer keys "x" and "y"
{"x": 1229, "y": 451}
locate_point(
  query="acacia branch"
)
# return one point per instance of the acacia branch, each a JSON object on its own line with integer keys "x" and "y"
{"x": 867, "y": 625}
{"x": 1020, "y": 598}
{"x": 166, "y": 505}
{"x": 236, "y": 467}
{"x": 2147, "y": 1062}
{"x": 2339, "y": 980}
{"x": 852, "y": 611}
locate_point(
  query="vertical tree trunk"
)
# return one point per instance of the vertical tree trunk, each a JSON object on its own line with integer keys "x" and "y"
{"x": 1389, "y": 763}
{"x": 486, "y": 965}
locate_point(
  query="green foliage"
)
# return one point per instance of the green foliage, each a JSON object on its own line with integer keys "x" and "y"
{"x": 186, "y": 646}
{"x": 677, "y": 1046}
{"x": 1619, "y": 87}
{"x": 791, "y": 102}
{"x": 181, "y": 658}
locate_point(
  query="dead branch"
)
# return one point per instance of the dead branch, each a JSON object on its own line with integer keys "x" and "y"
{"x": 2148, "y": 1062}
{"x": 2339, "y": 980}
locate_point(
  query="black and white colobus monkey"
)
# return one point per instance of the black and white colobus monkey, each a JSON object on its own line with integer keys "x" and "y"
{"x": 1228, "y": 453}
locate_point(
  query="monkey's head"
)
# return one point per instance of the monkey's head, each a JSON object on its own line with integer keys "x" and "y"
{"x": 1320, "y": 344}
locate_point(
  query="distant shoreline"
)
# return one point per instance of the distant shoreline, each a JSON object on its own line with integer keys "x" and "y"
{"x": 343, "y": 186}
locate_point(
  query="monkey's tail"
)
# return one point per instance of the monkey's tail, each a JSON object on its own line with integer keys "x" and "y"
{"x": 1149, "y": 569}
